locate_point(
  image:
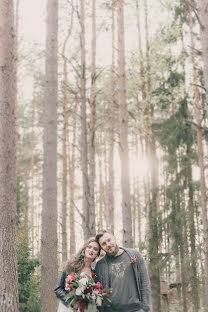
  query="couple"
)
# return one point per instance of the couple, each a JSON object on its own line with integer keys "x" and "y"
{"x": 122, "y": 269}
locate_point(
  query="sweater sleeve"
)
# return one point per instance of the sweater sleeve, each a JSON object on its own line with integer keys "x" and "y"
{"x": 60, "y": 290}
{"x": 144, "y": 284}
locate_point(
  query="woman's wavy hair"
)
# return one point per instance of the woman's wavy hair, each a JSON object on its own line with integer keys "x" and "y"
{"x": 76, "y": 263}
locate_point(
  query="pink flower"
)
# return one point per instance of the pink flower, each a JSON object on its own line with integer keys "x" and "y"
{"x": 70, "y": 278}
{"x": 98, "y": 285}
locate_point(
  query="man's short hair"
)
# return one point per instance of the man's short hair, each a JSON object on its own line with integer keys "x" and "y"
{"x": 100, "y": 234}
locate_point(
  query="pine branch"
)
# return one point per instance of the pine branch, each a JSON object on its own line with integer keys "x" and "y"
{"x": 197, "y": 126}
{"x": 195, "y": 9}
{"x": 200, "y": 86}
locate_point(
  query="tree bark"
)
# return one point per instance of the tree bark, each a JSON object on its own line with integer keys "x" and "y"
{"x": 16, "y": 67}
{"x": 110, "y": 207}
{"x": 92, "y": 124}
{"x": 200, "y": 151}
{"x": 72, "y": 182}
{"x": 123, "y": 121}
{"x": 84, "y": 149}
{"x": 203, "y": 18}
{"x": 64, "y": 148}
{"x": 32, "y": 175}
{"x": 49, "y": 267}
{"x": 154, "y": 179}
{"x": 192, "y": 230}
{"x": 8, "y": 256}
{"x": 141, "y": 57}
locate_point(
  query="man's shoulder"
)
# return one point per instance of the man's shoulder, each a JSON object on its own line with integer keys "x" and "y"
{"x": 101, "y": 261}
{"x": 132, "y": 252}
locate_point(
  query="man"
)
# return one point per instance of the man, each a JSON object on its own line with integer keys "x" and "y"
{"x": 123, "y": 270}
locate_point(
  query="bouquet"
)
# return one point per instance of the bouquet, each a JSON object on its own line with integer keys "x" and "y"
{"x": 85, "y": 294}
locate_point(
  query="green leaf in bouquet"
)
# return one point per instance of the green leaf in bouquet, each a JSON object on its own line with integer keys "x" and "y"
{"x": 106, "y": 302}
{"x": 70, "y": 295}
{"x": 73, "y": 301}
{"x": 92, "y": 307}
{"x": 89, "y": 278}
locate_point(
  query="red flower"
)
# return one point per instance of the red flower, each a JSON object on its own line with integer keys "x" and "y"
{"x": 107, "y": 291}
{"x": 93, "y": 276}
{"x": 98, "y": 285}
{"x": 133, "y": 260}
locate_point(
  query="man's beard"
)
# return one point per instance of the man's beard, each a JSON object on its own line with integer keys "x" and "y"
{"x": 113, "y": 253}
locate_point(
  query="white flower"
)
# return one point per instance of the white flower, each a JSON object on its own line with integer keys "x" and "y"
{"x": 78, "y": 291}
{"x": 83, "y": 281}
{"x": 99, "y": 301}
{"x": 83, "y": 274}
{"x": 93, "y": 296}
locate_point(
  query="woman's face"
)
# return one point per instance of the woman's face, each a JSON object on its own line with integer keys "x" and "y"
{"x": 92, "y": 250}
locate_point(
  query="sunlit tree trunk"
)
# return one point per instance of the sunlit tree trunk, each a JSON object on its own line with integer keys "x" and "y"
{"x": 92, "y": 124}
{"x": 49, "y": 267}
{"x": 8, "y": 256}
{"x": 84, "y": 149}
{"x": 123, "y": 121}
{"x": 199, "y": 136}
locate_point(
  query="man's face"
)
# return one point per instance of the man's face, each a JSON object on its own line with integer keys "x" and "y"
{"x": 108, "y": 244}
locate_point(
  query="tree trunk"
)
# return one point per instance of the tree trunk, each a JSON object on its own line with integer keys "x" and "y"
{"x": 153, "y": 232}
{"x": 64, "y": 148}
{"x": 203, "y": 18}
{"x": 199, "y": 141}
{"x": 26, "y": 204}
{"x": 141, "y": 58}
{"x": 84, "y": 150}
{"x": 110, "y": 207}
{"x": 180, "y": 240}
{"x": 72, "y": 183}
{"x": 123, "y": 121}
{"x": 154, "y": 184}
{"x": 92, "y": 124}
{"x": 16, "y": 66}
{"x": 49, "y": 267}
{"x": 101, "y": 201}
{"x": 32, "y": 175}
{"x": 8, "y": 256}
{"x": 192, "y": 230}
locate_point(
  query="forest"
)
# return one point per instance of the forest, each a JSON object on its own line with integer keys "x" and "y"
{"x": 103, "y": 125}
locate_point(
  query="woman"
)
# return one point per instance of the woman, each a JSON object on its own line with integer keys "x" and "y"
{"x": 81, "y": 262}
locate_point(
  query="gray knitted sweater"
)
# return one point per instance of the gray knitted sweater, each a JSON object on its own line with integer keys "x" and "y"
{"x": 140, "y": 273}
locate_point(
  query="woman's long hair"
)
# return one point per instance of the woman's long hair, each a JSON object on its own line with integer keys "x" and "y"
{"x": 76, "y": 263}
